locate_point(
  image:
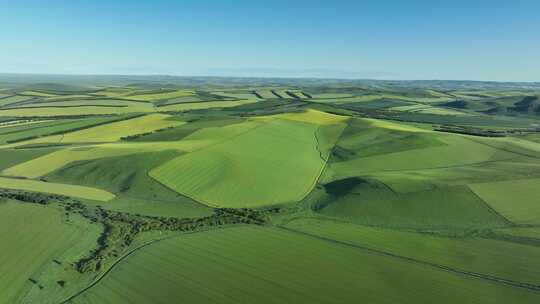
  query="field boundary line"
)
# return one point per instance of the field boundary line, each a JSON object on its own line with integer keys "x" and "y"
{"x": 490, "y": 208}
{"x": 476, "y": 275}
{"x": 503, "y": 149}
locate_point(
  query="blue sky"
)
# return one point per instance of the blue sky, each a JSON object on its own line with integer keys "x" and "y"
{"x": 476, "y": 40}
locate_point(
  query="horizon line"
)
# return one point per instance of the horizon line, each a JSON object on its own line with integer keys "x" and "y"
{"x": 262, "y": 77}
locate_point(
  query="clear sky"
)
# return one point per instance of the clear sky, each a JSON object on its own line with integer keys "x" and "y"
{"x": 473, "y": 39}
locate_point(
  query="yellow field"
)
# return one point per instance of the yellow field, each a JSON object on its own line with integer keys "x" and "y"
{"x": 113, "y": 131}
{"x": 53, "y": 188}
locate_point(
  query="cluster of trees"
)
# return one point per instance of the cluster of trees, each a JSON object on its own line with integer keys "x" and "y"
{"x": 136, "y": 136}
{"x": 121, "y": 229}
{"x": 470, "y": 131}
{"x": 31, "y": 197}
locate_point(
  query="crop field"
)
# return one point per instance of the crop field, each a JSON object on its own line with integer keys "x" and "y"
{"x": 114, "y": 131}
{"x": 12, "y": 157}
{"x": 164, "y": 189}
{"x": 484, "y": 255}
{"x": 28, "y": 132}
{"x": 246, "y": 265}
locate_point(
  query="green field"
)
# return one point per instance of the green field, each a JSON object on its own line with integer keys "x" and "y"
{"x": 246, "y": 265}
{"x": 478, "y": 255}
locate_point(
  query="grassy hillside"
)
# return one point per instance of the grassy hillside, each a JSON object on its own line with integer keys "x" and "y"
{"x": 244, "y": 171}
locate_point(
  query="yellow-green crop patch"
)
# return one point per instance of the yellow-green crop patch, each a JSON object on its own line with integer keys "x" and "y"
{"x": 517, "y": 200}
{"x": 38, "y": 94}
{"x": 114, "y": 131}
{"x": 32, "y": 237}
{"x": 54, "y": 188}
{"x": 248, "y": 169}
